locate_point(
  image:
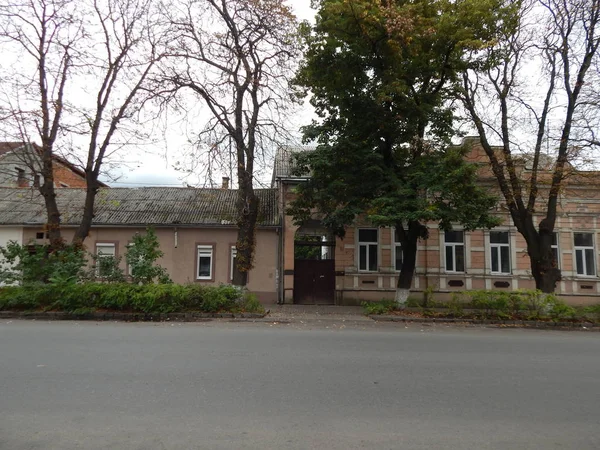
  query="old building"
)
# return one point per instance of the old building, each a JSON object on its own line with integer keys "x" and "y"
{"x": 364, "y": 265}
{"x": 195, "y": 227}
{"x": 20, "y": 166}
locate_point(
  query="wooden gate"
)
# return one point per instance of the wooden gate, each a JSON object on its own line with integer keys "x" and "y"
{"x": 314, "y": 281}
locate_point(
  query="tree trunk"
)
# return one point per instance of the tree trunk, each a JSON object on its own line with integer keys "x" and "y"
{"x": 409, "y": 239}
{"x": 247, "y": 208}
{"x": 88, "y": 210}
{"x": 409, "y": 263}
{"x": 48, "y": 192}
{"x": 544, "y": 268}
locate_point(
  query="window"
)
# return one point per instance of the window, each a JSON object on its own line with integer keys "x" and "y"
{"x": 397, "y": 251}
{"x": 106, "y": 254}
{"x": 205, "y": 262}
{"x": 500, "y": 251}
{"x": 233, "y": 260}
{"x": 584, "y": 254}
{"x": 454, "y": 243}
{"x": 21, "y": 180}
{"x": 555, "y": 251}
{"x": 367, "y": 249}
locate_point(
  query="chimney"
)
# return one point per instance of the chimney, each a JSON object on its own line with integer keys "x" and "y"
{"x": 225, "y": 183}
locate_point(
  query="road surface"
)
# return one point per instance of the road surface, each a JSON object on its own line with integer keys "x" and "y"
{"x": 219, "y": 385}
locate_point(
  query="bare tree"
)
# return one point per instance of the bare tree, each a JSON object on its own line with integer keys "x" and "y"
{"x": 46, "y": 32}
{"x": 133, "y": 41}
{"x": 77, "y": 54}
{"x": 237, "y": 57}
{"x": 537, "y": 74}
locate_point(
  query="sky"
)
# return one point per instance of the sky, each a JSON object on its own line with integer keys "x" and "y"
{"x": 155, "y": 167}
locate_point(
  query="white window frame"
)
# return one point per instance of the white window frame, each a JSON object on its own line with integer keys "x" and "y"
{"x": 367, "y": 245}
{"x": 100, "y": 254}
{"x": 583, "y": 248}
{"x": 233, "y": 255}
{"x": 204, "y": 251}
{"x": 557, "y": 248}
{"x": 497, "y": 247}
{"x": 397, "y": 249}
{"x": 453, "y": 248}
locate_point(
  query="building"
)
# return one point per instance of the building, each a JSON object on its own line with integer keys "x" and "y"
{"x": 364, "y": 265}
{"x": 195, "y": 227}
{"x": 20, "y": 165}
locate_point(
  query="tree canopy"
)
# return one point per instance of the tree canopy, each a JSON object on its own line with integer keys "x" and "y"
{"x": 380, "y": 75}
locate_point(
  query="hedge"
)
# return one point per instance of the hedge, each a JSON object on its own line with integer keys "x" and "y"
{"x": 124, "y": 297}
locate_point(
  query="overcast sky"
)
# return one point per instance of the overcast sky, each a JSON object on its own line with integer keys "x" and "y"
{"x": 155, "y": 167}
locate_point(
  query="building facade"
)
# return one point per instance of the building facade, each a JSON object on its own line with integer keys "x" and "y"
{"x": 365, "y": 264}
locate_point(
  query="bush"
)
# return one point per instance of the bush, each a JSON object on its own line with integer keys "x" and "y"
{"x": 378, "y": 308}
{"x": 251, "y": 304}
{"x": 36, "y": 263}
{"x": 148, "y": 298}
{"x": 141, "y": 258}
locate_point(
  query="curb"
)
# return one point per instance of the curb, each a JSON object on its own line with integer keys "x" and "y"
{"x": 128, "y": 317}
{"x": 513, "y": 323}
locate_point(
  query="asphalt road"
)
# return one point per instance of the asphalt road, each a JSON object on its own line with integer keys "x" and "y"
{"x": 262, "y": 386}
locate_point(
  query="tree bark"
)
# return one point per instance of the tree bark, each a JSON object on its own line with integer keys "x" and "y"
{"x": 88, "y": 210}
{"x": 48, "y": 192}
{"x": 409, "y": 239}
{"x": 247, "y": 207}
{"x": 544, "y": 267}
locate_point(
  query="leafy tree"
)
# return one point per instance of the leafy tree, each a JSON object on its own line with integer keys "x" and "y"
{"x": 141, "y": 257}
{"x": 379, "y": 74}
{"x": 34, "y": 263}
{"x": 236, "y": 57}
{"x": 534, "y": 90}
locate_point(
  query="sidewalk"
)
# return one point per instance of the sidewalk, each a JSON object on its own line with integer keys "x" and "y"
{"x": 297, "y": 313}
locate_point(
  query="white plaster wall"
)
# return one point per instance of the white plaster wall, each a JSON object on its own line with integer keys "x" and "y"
{"x": 9, "y": 234}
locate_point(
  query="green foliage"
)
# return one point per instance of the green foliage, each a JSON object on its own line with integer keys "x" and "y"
{"x": 106, "y": 268}
{"x": 456, "y": 306}
{"x": 251, "y": 304}
{"x": 126, "y": 297}
{"x": 307, "y": 251}
{"x": 36, "y": 263}
{"x": 378, "y": 308}
{"x": 141, "y": 257}
{"x": 380, "y": 75}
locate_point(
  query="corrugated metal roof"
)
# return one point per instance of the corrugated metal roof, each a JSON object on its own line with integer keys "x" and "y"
{"x": 133, "y": 206}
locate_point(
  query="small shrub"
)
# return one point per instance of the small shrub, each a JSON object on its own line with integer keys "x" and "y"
{"x": 455, "y": 305}
{"x": 562, "y": 311}
{"x": 251, "y": 304}
{"x": 378, "y": 308}
{"x": 106, "y": 268}
{"x": 220, "y": 298}
{"x": 141, "y": 257}
{"x": 413, "y": 302}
